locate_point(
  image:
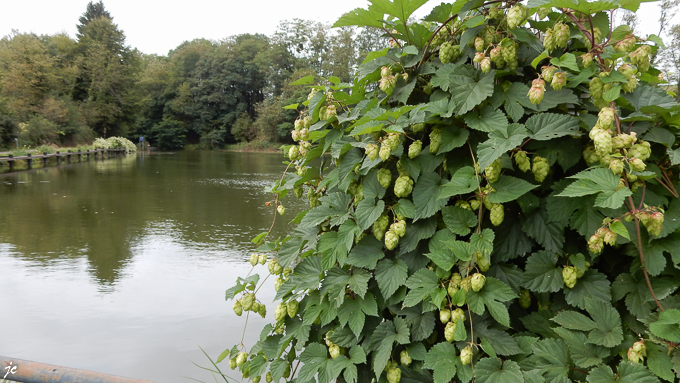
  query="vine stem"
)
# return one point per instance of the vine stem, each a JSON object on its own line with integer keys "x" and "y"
{"x": 642, "y": 260}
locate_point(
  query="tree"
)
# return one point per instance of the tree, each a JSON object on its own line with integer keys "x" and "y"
{"x": 469, "y": 222}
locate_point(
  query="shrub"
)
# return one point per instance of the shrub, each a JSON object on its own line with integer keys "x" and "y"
{"x": 501, "y": 206}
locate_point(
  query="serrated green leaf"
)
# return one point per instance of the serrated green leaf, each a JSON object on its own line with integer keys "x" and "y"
{"x": 451, "y": 138}
{"x": 500, "y": 142}
{"x": 368, "y": 211}
{"x": 494, "y": 370}
{"x": 573, "y": 320}
{"x": 366, "y": 253}
{"x": 487, "y": 120}
{"x": 618, "y": 228}
{"x": 492, "y": 295}
{"x": 459, "y": 220}
{"x": 627, "y": 373}
{"x": 668, "y": 325}
{"x": 469, "y": 87}
{"x": 582, "y": 353}
{"x": 425, "y": 196}
{"x": 421, "y": 284}
{"x": 547, "y": 126}
{"x": 508, "y": 188}
{"x": 550, "y": 357}
{"x": 591, "y": 285}
{"x": 568, "y": 60}
{"x": 463, "y": 181}
{"x": 608, "y": 332}
{"x": 439, "y": 361}
{"x": 659, "y": 362}
{"x": 541, "y": 275}
{"x": 390, "y": 275}
{"x": 550, "y": 235}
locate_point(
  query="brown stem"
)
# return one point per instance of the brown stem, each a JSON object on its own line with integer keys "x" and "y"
{"x": 642, "y": 199}
{"x": 427, "y": 46}
{"x": 642, "y": 258}
{"x": 390, "y": 33}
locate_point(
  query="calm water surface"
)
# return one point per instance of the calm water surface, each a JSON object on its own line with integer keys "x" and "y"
{"x": 120, "y": 265}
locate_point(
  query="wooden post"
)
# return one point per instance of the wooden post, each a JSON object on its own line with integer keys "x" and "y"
{"x": 68, "y": 157}
{"x": 87, "y": 154}
{"x": 29, "y": 161}
{"x": 58, "y": 158}
{"x": 11, "y": 163}
{"x": 45, "y": 159}
{"x": 80, "y": 158}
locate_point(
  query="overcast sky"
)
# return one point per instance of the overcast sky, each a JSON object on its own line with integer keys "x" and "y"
{"x": 155, "y": 26}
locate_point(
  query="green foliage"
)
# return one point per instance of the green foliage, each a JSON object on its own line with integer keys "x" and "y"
{"x": 532, "y": 238}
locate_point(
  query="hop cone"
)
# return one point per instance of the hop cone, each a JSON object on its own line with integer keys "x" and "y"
{"x": 540, "y": 168}
{"x": 384, "y": 177}
{"x": 414, "y": 149}
{"x": 524, "y": 298}
{"x": 334, "y": 350}
{"x": 522, "y": 161}
{"x": 280, "y": 312}
{"x": 536, "y": 92}
{"x": 394, "y": 375}
{"x": 445, "y": 316}
{"x": 391, "y": 240}
{"x": 380, "y": 225}
{"x": 247, "y": 301}
{"x": 403, "y": 186}
{"x": 569, "y": 276}
{"x": 497, "y": 214}
{"x": 449, "y": 331}
{"x": 466, "y": 355}
{"x": 477, "y": 281}
{"x": 485, "y": 65}
{"x": 547, "y": 72}
{"x": 405, "y": 358}
{"x": 493, "y": 171}
{"x": 559, "y": 80}
{"x": 372, "y": 151}
{"x": 561, "y": 34}
{"x": 238, "y": 308}
{"x": 292, "y": 308}
{"x": 516, "y": 16}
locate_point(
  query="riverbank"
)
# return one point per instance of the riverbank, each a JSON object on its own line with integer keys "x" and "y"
{"x": 255, "y": 146}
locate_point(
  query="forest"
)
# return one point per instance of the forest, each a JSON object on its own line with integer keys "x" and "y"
{"x": 63, "y": 91}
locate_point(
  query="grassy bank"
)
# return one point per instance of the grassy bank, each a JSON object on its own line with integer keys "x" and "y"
{"x": 255, "y": 146}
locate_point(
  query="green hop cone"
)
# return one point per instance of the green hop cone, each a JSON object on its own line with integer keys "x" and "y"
{"x": 540, "y": 168}
{"x": 609, "y": 236}
{"x": 399, "y": 228}
{"x": 449, "y": 331}
{"x": 654, "y": 223}
{"x": 262, "y": 311}
{"x": 479, "y": 44}
{"x": 387, "y": 84}
{"x": 596, "y": 243}
{"x": 457, "y": 315}
{"x": 524, "y": 298}
{"x": 384, "y": 177}
{"x": 466, "y": 355}
{"x": 550, "y": 40}
{"x": 561, "y": 34}
{"x": 569, "y": 276}
{"x": 297, "y": 190}
{"x": 605, "y": 117}
{"x": 477, "y": 282}
{"x": 640, "y": 150}
{"x": 417, "y": 128}
{"x": 394, "y": 375}
{"x": 405, "y": 358}
{"x": 334, "y": 350}
{"x": 385, "y": 71}
{"x": 292, "y": 308}
{"x": 616, "y": 166}
{"x": 445, "y": 316}
{"x": 232, "y": 363}
{"x": 403, "y": 186}
{"x": 474, "y": 204}
{"x": 385, "y": 151}
{"x": 522, "y": 161}
{"x": 435, "y": 140}
{"x": 262, "y": 259}
{"x": 496, "y": 55}
{"x": 497, "y": 214}
{"x": 415, "y": 148}
{"x": 482, "y": 262}
{"x": 247, "y": 301}
{"x": 372, "y": 151}
{"x": 254, "y": 259}
{"x": 516, "y": 16}
{"x": 256, "y": 379}
{"x": 543, "y": 12}
{"x": 280, "y": 312}
{"x": 241, "y": 358}
{"x": 559, "y": 80}
{"x": 448, "y": 53}
{"x": 255, "y": 307}
{"x": 380, "y": 225}
{"x": 278, "y": 283}
{"x": 596, "y": 88}
{"x": 281, "y": 210}
{"x": 280, "y": 328}
{"x": 269, "y": 378}
{"x": 238, "y": 308}
{"x": 493, "y": 171}
{"x": 634, "y": 356}
{"x": 547, "y": 72}
{"x": 626, "y": 45}
{"x": 587, "y": 59}
{"x": 640, "y": 348}
{"x": 536, "y": 91}
{"x": 293, "y": 153}
{"x": 391, "y": 240}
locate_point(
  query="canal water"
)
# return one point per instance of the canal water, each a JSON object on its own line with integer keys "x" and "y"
{"x": 121, "y": 265}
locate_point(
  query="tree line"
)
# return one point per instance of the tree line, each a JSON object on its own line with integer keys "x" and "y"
{"x": 55, "y": 89}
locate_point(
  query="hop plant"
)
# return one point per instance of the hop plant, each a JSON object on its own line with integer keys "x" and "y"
{"x": 522, "y": 161}
{"x": 450, "y": 330}
{"x": 394, "y": 375}
{"x": 524, "y": 299}
{"x": 477, "y": 282}
{"x": 280, "y": 312}
{"x": 391, "y": 240}
{"x": 485, "y": 65}
{"x": 399, "y": 228}
{"x": 247, "y": 301}
{"x": 241, "y": 358}
{"x": 482, "y": 262}
{"x": 493, "y": 171}
{"x": 414, "y": 149}
{"x": 517, "y": 15}
{"x": 385, "y": 72}
{"x": 292, "y": 308}
{"x": 561, "y": 34}
{"x": 405, "y": 358}
{"x": 540, "y": 168}
{"x": 372, "y": 151}
{"x": 550, "y": 40}
{"x": 448, "y": 53}
{"x": 435, "y": 140}
{"x": 445, "y": 316}
{"x": 387, "y": 84}
{"x": 254, "y": 258}
{"x": 466, "y": 355}
{"x": 232, "y": 363}
{"x": 626, "y": 45}
{"x": 587, "y": 59}
{"x": 380, "y": 225}
{"x": 281, "y": 210}
{"x": 262, "y": 259}
{"x": 334, "y": 350}
{"x": 479, "y": 44}
{"x": 547, "y": 72}
{"x": 384, "y": 177}
{"x": 569, "y": 276}
{"x": 385, "y": 151}
{"x": 641, "y": 150}
{"x": 497, "y": 214}
{"x": 559, "y": 80}
{"x": 238, "y": 308}
{"x": 536, "y": 92}
{"x": 403, "y": 186}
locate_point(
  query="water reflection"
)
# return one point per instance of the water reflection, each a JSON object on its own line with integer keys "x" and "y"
{"x": 120, "y": 265}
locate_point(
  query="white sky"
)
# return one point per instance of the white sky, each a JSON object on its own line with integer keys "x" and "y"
{"x": 155, "y": 26}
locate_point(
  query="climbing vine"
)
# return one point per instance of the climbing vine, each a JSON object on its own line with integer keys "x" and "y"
{"x": 493, "y": 199}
